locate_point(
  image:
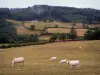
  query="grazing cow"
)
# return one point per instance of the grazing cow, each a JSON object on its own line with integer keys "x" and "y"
{"x": 63, "y": 61}
{"x": 53, "y": 58}
{"x": 80, "y": 47}
{"x": 74, "y": 63}
{"x": 18, "y": 60}
{"x": 1, "y": 50}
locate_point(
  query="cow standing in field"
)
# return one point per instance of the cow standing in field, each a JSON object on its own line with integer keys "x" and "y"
{"x": 74, "y": 63}
{"x": 63, "y": 61}
{"x": 18, "y": 60}
{"x": 1, "y": 50}
{"x": 53, "y": 58}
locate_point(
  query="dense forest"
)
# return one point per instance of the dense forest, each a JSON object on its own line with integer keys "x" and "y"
{"x": 58, "y": 13}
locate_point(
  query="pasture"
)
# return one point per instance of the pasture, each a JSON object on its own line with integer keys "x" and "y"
{"x": 80, "y": 32}
{"x": 39, "y": 25}
{"x": 37, "y": 59}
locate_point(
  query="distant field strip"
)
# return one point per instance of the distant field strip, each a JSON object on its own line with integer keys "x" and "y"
{"x": 80, "y": 32}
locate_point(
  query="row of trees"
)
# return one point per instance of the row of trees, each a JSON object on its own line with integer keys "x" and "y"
{"x": 27, "y": 38}
{"x": 51, "y": 13}
{"x": 8, "y": 34}
{"x": 7, "y": 31}
{"x": 63, "y": 36}
{"x": 91, "y": 34}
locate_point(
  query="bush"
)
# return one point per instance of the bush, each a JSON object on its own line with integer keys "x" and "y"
{"x": 32, "y": 27}
{"x": 53, "y": 38}
{"x": 62, "y": 36}
{"x": 92, "y": 34}
{"x": 72, "y": 34}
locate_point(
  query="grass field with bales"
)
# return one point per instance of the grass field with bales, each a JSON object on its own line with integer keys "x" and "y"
{"x": 37, "y": 59}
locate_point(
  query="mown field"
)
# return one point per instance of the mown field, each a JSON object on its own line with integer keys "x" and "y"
{"x": 37, "y": 59}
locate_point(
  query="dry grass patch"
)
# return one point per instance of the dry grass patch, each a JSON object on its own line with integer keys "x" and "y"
{"x": 22, "y": 30}
{"x": 80, "y": 32}
{"x": 37, "y": 63}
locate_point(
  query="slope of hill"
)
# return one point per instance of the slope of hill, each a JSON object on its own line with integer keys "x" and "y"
{"x": 58, "y": 13}
{"x": 37, "y": 63}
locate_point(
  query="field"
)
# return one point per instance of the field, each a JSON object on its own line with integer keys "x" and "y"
{"x": 37, "y": 59}
{"x": 80, "y": 32}
{"x": 23, "y": 30}
{"x": 39, "y": 25}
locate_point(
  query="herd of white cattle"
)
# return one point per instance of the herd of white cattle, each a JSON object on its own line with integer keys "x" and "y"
{"x": 71, "y": 63}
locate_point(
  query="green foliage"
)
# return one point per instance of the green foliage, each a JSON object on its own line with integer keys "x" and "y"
{"x": 23, "y": 44}
{"x": 74, "y": 24}
{"x": 53, "y": 38}
{"x": 7, "y": 31}
{"x": 92, "y": 34}
{"x": 56, "y": 26}
{"x": 72, "y": 34}
{"x": 59, "y": 36}
{"x": 51, "y": 13}
{"x": 32, "y": 27}
{"x": 62, "y": 36}
{"x": 27, "y": 38}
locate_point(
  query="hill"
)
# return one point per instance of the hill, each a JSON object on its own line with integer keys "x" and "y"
{"x": 58, "y": 13}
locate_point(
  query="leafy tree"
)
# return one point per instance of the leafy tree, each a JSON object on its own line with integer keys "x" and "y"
{"x": 53, "y": 38}
{"x": 89, "y": 34}
{"x": 62, "y": 36}
{"x": 27, "y": 38}
{"x": 74, "y": 24}
{"x": 57, "y": 13}
{"x": 72, "y": 33}
{"x": 92, "y": 34}
{"x": 97, "y": 34}
{"x": 56, "y": 26}
{"x": 32, "y": 27}
{"x": 7, "y": 31}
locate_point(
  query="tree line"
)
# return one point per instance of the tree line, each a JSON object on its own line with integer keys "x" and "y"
{"x": 58, "y": 13}
{"x": 91, "y": 34}
{"x": 8, "y": 34}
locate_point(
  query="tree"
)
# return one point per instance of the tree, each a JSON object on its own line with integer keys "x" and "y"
{"x": 56, "y": 26}
{"x": 7, "y": 31}
{"x": 73, "y": 33}
{"x": 74, "y": 24}
{"x": 32, "y": 27}
{"x": 62, "y": 36}
{"x": 92, "y": 34}
{"x": 89, "y": 34}
{"x": 97, "y": 34}
{"x": 53, "y": 38}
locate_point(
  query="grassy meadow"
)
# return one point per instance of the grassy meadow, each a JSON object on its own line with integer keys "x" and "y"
{"x": 39, "y": 25}
{"x": 37, "y": 59}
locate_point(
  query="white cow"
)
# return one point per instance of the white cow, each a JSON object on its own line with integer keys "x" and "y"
{"x": 53, "y": 58}
{"x": 18, "y": 60}
{"x": 63, "y": 61}
{"x": 1, "y": 50}
{"x": 74, "y": 63}
{"x": 80, "y": 47}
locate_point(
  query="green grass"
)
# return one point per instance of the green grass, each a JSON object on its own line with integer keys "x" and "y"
{"x": 37, "y": 59}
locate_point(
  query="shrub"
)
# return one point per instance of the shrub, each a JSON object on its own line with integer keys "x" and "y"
{"x": 72, "y": 34}
{"x": 92, "y": 34}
